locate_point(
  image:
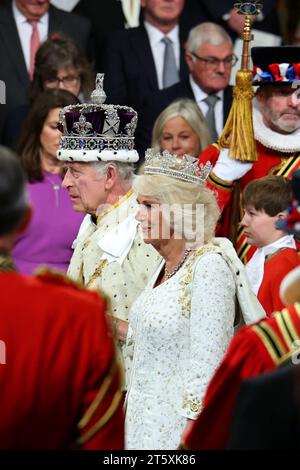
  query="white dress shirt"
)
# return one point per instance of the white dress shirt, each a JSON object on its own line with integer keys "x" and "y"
{"x": 158, "y": 48}
{"x": 25, "y": 30}
{"x": 256, "y": 266}
{"x": 200, "y": 96}
{"x": 66, "y": 5}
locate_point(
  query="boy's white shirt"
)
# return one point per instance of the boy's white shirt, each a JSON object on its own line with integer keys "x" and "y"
{"x": 256, "y": 265}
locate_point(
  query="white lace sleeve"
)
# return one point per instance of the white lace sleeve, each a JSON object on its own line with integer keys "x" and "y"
{"x": 211, "y": 327}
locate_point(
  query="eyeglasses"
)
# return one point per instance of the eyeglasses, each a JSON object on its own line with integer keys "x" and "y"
{"x": 213, "y": 62}
{"x": 69, "y": 81}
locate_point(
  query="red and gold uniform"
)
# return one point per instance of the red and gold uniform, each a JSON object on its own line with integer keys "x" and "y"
{"x": 277, "y": 136}
{"x": 60, "y": 384}
{"x": 254, "y": 350}
{"x": 276, "y": 267}
{"x": 270, "y": 161}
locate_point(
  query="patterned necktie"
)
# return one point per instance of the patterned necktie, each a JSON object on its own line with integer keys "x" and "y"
{"x": 170, "y": 72}
{"x": 211, "y": 101}
{"x": 34, "y": 45}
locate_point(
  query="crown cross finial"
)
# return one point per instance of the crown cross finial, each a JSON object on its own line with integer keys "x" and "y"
{"x": 98, "y": 96}
{"x": 82, "y": 126}
{"x": 112, "y": 121}
{"x": 184, "y": 169}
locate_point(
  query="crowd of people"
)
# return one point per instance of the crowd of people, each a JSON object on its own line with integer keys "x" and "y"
{"x": 150, "y": 278}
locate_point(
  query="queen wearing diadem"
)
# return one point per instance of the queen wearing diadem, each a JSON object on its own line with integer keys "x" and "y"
{"x": 181, "y": 324}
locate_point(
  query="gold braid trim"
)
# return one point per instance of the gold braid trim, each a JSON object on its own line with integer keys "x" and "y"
{"x": 115, "y": 205}
{"x": 273, "y": 343}
{"x": 192, "y": 404}
{"x": 186, "y": 280}
{"x": 292, "y": 333}
{"x": 103, "y": 420}
{"x": 283, "y": 329}
{"x": 242, "y": 250}
{"x": 219, "y": 183}
{"x": 291, "y": 326}
{"x": 270, "y": 347}
{"x": 275, "y": 338}
{"x": 6, "y": 263}
{"x": 97, "y": 273}
{"x": 287, "y": 166}
{"x": 286, "y": 327}
{"x": 297, "y": 308}
{"x": 99, "y": 397}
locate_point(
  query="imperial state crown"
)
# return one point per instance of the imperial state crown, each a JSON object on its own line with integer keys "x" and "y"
{"x": 96, "y": 131}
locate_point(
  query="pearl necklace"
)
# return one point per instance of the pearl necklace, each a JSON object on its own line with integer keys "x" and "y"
{"x": 169, "y": 274}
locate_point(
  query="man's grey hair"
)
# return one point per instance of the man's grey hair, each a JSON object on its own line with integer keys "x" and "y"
{"x": 207, "y": 33}
{"x": 124, "y": 170}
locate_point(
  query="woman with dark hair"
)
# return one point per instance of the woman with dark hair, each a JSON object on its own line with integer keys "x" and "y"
{"x": 59, "y": 63}
{"x": 54, "y": 225}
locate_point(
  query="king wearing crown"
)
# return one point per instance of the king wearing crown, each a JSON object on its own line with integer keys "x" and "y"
{"x": 97, "y": 146}
{"x": 276, "y": 123}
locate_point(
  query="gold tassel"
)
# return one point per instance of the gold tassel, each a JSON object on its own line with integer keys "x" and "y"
{"x": 238, "y": 133}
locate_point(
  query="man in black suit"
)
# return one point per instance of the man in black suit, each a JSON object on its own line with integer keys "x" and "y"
{"x": 209, "y": 58}
{"x": 133, "y": 58}
{"x": 15, "y": 32}
{"x": 267, "y": 412}
{"x": 106, "y": 16}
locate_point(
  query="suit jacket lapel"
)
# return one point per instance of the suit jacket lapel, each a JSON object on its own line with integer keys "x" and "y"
{"x": 54, "y": 20}
{"x": 227, "y": 102}
{"x": 141, "y": 44}
{"x": 183, "y": 65}
{"x": 9, "y": 32}
{"x": 189, "y": 91}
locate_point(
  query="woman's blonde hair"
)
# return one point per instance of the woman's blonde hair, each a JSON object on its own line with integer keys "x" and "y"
{"x": 189, "y": 111}
{"x": 187, "y": 199}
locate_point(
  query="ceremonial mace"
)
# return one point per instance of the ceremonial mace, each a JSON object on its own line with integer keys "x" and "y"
{"x": 238, "y": 133}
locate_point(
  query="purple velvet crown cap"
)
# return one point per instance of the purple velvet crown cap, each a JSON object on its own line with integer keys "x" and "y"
{"x": 95, "y": 117}
{"x": 97, "y": 131}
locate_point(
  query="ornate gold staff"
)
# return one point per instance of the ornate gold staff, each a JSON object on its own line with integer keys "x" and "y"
{"x": 238, "y": 134}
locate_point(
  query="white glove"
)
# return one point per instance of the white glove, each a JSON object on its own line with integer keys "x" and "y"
{"x": 228, "y": 169}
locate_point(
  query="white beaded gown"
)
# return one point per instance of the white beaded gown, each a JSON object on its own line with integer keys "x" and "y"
{"x": 178, "y": 334}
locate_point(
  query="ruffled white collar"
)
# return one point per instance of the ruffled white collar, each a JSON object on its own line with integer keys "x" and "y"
{"x": 117, "y": 242}
{"x": 256, "y": 266}
{"x": 285, "y": 143}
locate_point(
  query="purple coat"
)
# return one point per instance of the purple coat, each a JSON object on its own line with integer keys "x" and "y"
{"x": 52, "y": 230}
